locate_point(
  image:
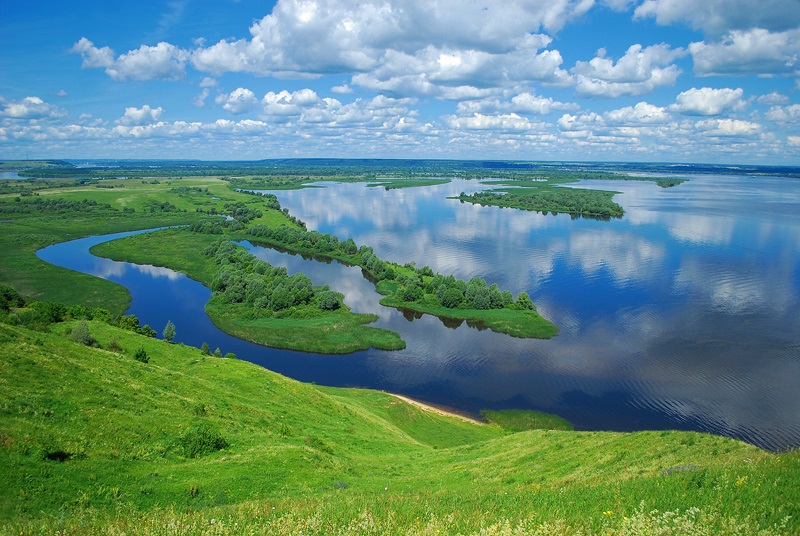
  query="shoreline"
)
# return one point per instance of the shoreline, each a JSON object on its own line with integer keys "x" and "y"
{"x": 438, "y": 410}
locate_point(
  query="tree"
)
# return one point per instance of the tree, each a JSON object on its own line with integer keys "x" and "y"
{"x": 205, "y": 349}
{"x": 169, "y": 331}
{"x": 80, "y": 334}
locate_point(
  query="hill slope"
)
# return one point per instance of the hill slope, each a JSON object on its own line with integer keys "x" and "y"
{"x": 96, "y": 441}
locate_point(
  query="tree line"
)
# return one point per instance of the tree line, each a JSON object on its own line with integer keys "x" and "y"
{"x": 412, "y": 284}
{"x": 268, "y": 290}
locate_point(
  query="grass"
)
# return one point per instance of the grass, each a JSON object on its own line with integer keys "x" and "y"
{"x": 521, "y": 420}
{"x": 333, "y": 461}
{"x": 514, "y": 322}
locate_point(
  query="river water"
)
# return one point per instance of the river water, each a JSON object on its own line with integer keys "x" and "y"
{"x": 684, "y": 314}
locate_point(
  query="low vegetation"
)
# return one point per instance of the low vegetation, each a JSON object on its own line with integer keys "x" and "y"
{"x": 94, "y": 440}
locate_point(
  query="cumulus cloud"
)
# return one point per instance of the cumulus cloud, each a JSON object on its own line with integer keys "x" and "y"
{"x": 286, "y": 103}
{"x": 784, "y": 114}
{"x": 641, "y": 114}
{"x": 525, "y": 103}
{"x": 162, "y": 61}
{"x": 719, "y": 16}
{"x": 140, "y": 116}
{"x": 708, "y": 101}
{"x": 238, "y": 102}
{"x": 773, "y": 98}
{"x": 746, "y": 52}
{"x": 639, "y": 71}
{"x": 504, "y": 122}
{"x": 30, "y": 108}
{"x": 728, "y": 127}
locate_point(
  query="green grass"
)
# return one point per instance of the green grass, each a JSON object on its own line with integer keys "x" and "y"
{"x": 333, "y": 461}
{"x": 514, "y": 322}
{"x": 337, "y": 332}
{"x": 518, "y": 420}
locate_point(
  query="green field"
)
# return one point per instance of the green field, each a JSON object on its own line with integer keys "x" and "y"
{"x": 94, "y": 441}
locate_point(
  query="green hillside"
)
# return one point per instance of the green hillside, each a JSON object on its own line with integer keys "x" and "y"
{"x": 95, "y": 441}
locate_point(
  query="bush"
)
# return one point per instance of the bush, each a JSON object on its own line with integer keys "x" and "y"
{"x": 141, "y": 355}
{"x": 201, "y": 440}
{"x": 80, "y": 334}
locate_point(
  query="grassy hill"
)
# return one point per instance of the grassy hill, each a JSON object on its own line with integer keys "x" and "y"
{"x": 95, "y": 441}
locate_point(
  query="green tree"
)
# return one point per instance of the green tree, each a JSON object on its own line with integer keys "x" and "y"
{"x": 205, "y": 349}
{"x": 80, "y": 334}
{"x": 169, "y": 331}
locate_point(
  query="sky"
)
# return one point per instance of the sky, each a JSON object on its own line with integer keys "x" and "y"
{"x": 715, "y": 81}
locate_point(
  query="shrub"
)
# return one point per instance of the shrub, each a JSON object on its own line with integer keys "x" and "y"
{"x": 201, "y": 440}
{"x": 230, "y": 355}
{"x": 141, "y": 355}
{"x": 80, "y": 334}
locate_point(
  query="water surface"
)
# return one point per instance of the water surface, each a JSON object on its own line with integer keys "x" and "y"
{"x": 683, "y": 314}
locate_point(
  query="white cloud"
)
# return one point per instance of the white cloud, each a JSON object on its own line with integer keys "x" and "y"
{"x": 505, "y": 122}
{"x": 525, "y": 103}
{"x": 163, "y": 61}
{"x": 718, "y": 16}
{"x": 641, "y": 114}
{"x": 93, "y": 56}
{"x": 773, "y": 98}
{"x": 708, "y": 101}
{"x": 794, "y": 141}
{"x": 747, "y": 52}
{"x": 239, "y": 101}
{"x": 30, "y": 108}
{"x": 784, "y": 114}
{"x": 728, "y": 127}
{"x": 639, "y": 71}
{"x": 286, "y": 103}
{"x": 140, "y": 116}
{"x": 208, "y": 82}
{"x": 344, "y": 89}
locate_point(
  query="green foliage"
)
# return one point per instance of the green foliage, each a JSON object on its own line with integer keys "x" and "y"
{"x": 80, "y": 334}
{"x": 10, "y": 298}
{"x": 141, "y": 355}
{"x": 579, "y": 202}
{"x": 205, "y": 349}
{"x": 169, "y": 331}
{"x": 201, "y": 440}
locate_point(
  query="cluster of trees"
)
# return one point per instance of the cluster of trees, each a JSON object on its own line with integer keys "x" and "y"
{"x": 311, "y": 241}
{"x": 421, "y": 285}
{"x": 241, "y": 212}
{"x": 46, "y": 205}
{"x": 566, "y": 200}
{"x": 154, "y": 206}
{"x": 244, "y": 279}
{"x": 452, "y": 293}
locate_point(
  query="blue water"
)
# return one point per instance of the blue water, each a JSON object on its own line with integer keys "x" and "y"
{"x": 683, "y": 314}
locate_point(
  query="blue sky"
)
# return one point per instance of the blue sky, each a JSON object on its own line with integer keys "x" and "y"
{"x": 640, "y": 80}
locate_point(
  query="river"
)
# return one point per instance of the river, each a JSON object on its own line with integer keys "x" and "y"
{"x": 684, "y": 314}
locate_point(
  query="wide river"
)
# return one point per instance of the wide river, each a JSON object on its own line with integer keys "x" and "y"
{"x": 684, "y": 314}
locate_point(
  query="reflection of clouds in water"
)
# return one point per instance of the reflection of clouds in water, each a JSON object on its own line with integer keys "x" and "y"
{"x": 109, "y": 269}
{"x": 627, "y": 256}
{"x": 700, "y": 229}
{"x": 157, "y": 271}
{"x": 752, "y": 287}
